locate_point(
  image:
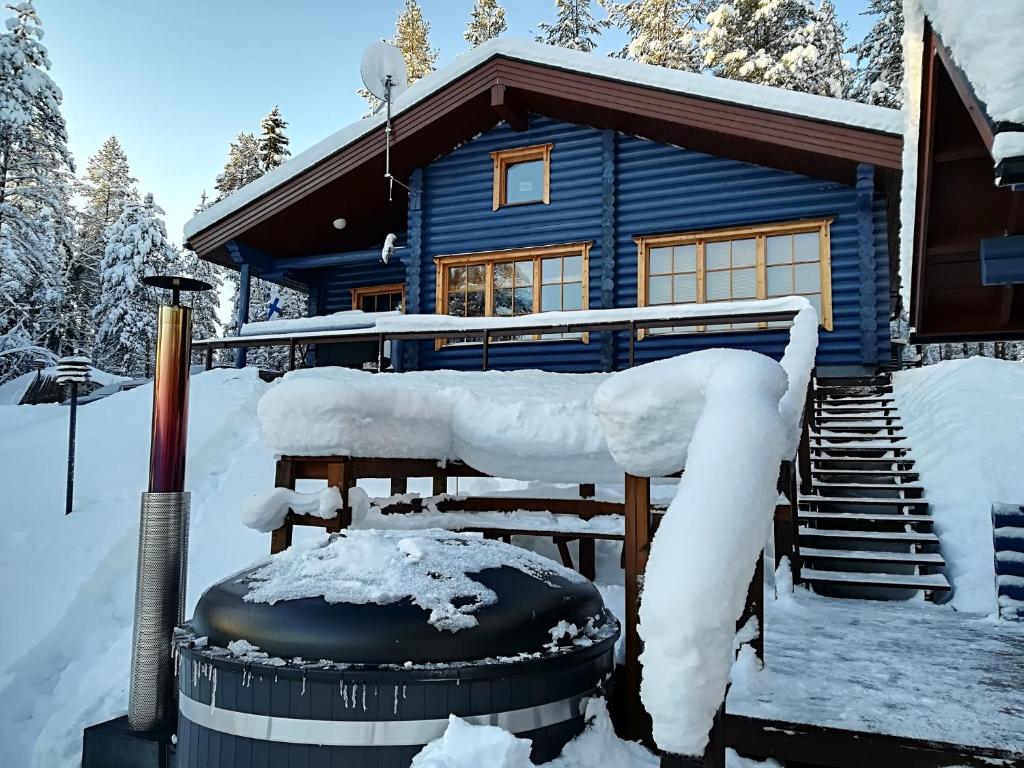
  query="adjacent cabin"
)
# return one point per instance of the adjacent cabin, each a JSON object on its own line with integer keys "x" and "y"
{"x": 533, "y": 179}
{"x": 968, "y": 243}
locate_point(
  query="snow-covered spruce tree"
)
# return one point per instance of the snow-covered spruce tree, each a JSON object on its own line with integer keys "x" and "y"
{"x": 243, "y": 165}
{"x": 137, "y": 246}
{"x": 273, "y": 142}
{"x": 486, "y": 20}
{"x": 105, "y": 188}
{"x": 36, "y": 228}
{"x": 879, "y": 76}
{"x": 412, "y": 38}
{"x": 574, "y": 27}
{"x": 661, "y": 32}
{"x": 826, "y": 72}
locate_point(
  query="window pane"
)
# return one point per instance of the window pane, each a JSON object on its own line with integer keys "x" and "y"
{"x": 805, "y": 246}
{"x": 780, "y": 281}
{"x": 661, "y": 261}
{"x": 457, "y": 304}
{"x": 503, "y": 275}
{"x": 456, "y": 277}
{"x": 551, "y": 270}
{"x": 524, "y": 273}
{"x": 686, "y": 258}
{"x": 744, "y": 283}
{"x": 716, "y": 284}
{"x": 816, "y": 302}
{"x": 550, "y": 298}
{"x": 685, "y": 289}
{"x": 572, "y": 296}
{"x": 503, "y": 302}
{"x": 475, "y": 277}
{"x": 475, "y": 304}
{"x": 368, "y": 303}
{"x": 660, "y": 290}
{"x": 572, "y": 268}
{"x": 779, "y": 249}
{"x": 808, "y": 278}
{"x": 523, "y": 301}
{"x": 524, "y": 182}
{"x": 716, "y": 255}
{"x": 744, "y": 253}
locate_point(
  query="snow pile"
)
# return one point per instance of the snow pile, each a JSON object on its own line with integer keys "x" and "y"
{"x": 709, "y": 541}
{"x": 965, "y": 421}
{"x": 431, "y": 568}
{"x": 353, "y": 318}
{"x": 266, "y": 512}
{"x": 528, "y": 424}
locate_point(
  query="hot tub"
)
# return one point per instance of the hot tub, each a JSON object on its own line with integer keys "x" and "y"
{"x": 338, "y": 683}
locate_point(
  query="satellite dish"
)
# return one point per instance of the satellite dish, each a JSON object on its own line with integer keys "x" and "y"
{"x": 380, "y": 62}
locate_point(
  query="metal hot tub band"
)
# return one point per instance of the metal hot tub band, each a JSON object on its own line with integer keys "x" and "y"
{"x": 375, "y": 733}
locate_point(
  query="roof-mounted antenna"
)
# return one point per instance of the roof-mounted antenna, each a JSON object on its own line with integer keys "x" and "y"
{"x": 384, "y": 75}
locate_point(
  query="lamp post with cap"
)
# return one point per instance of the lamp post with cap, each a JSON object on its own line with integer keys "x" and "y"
{"x": 72, "y": 371}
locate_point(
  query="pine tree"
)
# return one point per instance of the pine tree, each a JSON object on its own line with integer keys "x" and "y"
{"x": 105, "y": 189}
{"x": 574, "y": 27}
{"x": 137, "y": 246}
{"x": 661, "y": 32}
{"x": 486, "y": 20}
{"x": 826, "y": 72}
{"x": 879, "y": 77}
{"x": 412, "y": 38}
{"x": 763, "y": 41}
{"x": 243, "y": 165}
{"x": 36, "y": 229}
{"x": 273, "y": 143}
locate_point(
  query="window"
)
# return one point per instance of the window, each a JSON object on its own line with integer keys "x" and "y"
{"x": 522, "y": 176}
{"x": 379, "y": 298}
{"x": 514, "y": 282}
{"x": 734, "y": 264}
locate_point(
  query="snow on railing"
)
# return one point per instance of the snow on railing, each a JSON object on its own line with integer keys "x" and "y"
{"x": 705, "y": 551}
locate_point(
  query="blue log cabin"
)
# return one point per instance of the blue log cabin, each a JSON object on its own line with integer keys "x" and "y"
{"x": 532, "y": 178}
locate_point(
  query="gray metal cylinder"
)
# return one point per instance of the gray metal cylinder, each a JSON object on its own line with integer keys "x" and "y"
{"x": 159, "y": 607}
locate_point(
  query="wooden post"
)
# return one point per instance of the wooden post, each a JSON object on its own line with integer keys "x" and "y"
{"x": 291, "y": 354}
{"x": 632, "y": 343}
{"x": 209, "y": 358}
{"x": 440, "y": 485}
{"x": 587, "y": 490}
{"x": 588, "y": 558}
{"x": 284, "y": 477}
{"x": 754, "y": 607}
{"x": 340, "y": 473}
{"x": 804, "y": 449}
{"x": 380, "y": 353}
{"x": 637, "y": 545}
{"x": 399, "y": 486}
{"x": 485, "y": 349}
{"x": 244, "y": 279}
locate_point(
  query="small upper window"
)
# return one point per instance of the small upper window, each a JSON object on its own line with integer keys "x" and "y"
{"x": 522, "y": 175}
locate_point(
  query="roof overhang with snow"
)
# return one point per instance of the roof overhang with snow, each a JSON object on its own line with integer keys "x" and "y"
{"x": 288, "y": 212}
{"x": 965, "y": 194}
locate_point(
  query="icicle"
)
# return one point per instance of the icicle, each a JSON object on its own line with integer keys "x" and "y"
{"x": 303, "y": 692}
{"x": 341, "y": 685}
{"x": 344, "y": 695}
{"x": 213, "y": 688}
{"x": 403, "y": 693}
{"x": 396, "y": 699}
{"x": 364, "y": 697}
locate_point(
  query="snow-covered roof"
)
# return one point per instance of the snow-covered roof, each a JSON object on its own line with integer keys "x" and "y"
{"x": 984, "y": 37}
{"x": 761, "y": 97}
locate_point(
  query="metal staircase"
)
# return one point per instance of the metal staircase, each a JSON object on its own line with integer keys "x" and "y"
{"x": 864, "y": 528}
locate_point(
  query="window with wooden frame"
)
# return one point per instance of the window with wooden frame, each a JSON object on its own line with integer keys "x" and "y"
{"x": 519, "y": 281}
{"x": 522, "y": 176}
{"x": 379, "y": 298}
{"x": 754, "y": 262}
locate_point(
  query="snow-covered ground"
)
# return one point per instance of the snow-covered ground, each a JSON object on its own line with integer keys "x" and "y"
{"x": 965, "y": 422}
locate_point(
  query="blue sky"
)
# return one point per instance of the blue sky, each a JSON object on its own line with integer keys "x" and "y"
{"x": 176, "y": 80}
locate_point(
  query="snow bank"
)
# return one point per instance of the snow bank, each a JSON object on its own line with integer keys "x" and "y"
{"x": 965, "y": 421}
{"x": 709, "y": 541}
{"x": 353, "y": 318}
{"x": 266, "y": 512}
{"x": 702, "y": 86}
{"x": 372, "y": 566}
{"x": 517, "y": 424}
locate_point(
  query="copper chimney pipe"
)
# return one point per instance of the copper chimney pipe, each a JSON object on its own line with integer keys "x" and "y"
{"x": 163, "y": 526}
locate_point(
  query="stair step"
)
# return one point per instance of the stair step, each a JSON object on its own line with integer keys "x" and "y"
{"x": 879, "y": 472}
{"x": 828, "y": 402}
{"x": 870, "y": 486}
{"x": 875, "y": 500}
{"x": 856, "y": 420}
{"x": 824, "y": 405}
{"x": 932, "y": 581}
{"x": 865, "y": 437}
{"x": 903, "y": 537}
{"x": 896, "y": 558}
{"x": 864, "y": 517}
{"x": 858, "y": 459}
{"x": 854, "y": 379}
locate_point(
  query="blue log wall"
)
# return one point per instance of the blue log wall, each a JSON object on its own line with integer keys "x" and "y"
{"x": 608, "y": 188}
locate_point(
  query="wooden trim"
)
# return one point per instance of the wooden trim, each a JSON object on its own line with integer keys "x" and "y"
{"x": 489, "y": 258}
{"x": 760, "y": 233}
{"x": 375, "y": 290}
{"x": 503, "y": 158}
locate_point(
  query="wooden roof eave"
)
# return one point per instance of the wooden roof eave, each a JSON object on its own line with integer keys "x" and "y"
{"x": 622, "y": 106}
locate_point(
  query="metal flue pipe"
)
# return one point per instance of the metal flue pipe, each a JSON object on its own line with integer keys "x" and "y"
{"x": 163, "y": 528}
